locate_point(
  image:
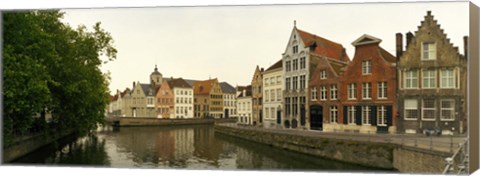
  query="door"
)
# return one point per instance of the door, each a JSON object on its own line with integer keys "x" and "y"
{"x": 134, "y": 112}
{"x": 279, "y": 117}
{"x": 226, "y": 113}
{"x": 316, "y": 117}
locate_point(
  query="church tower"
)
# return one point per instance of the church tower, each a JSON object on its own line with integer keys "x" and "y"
{"x": 156, "y": 78}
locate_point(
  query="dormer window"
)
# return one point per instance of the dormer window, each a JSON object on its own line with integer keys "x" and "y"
{"x": 429, "y": 51}
{"x": 323, "y": 74}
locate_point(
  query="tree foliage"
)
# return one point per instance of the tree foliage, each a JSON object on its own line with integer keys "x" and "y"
{"x": 49, "y": 66}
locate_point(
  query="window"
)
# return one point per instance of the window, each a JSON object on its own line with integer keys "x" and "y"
{"x": 295, "y": 64}
{"x": 267, "y": 113}
{"x": 411, "y": 109}
{"x": 429, "y": 79}
{"x": 288, "y": 67}
{"x": 447, "y": 80}
{"x": 366, "y": 111}
{"x": 367, "y": 91}
{"x": 366, "y": 67}
{"x": 272, "y": 114}
{"x": 302, "y": 63}
{"x": 411, "y": 79}
{"x": 279, "y": 94}
{"x": 266, "y": 96}
{"x": 382, "y": 90}
{"x": 314, "y": 94}
{"x": 352, "y": 91}
{"x": 272, "y": 95}
{"x": 428, "y": 109}
{"x": 382, "y": 116}
{"x": 333, "y": 114}
{"x": 323, "y": 74}
{"x": 447, "y": 109}
{"x": 429, "y": 51}
{"x": 266, "y": 82}
{"x": 287, "y": 84}
{"x": 295, "y": 49}
{"x": 351, "y": 114}
{"x": 333, "y": 92}
{"x": 287, "y": 106}
{"x": 279, "y": 80}
{"x": 302, "y": 82}
{"x": 295, "y": 83}
{"x": 323, "y": 91}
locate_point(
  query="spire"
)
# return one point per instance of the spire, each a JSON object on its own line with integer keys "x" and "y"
{"x": 295, "y": 23}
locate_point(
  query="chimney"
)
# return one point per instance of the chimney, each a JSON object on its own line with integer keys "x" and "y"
{"x": 399, "y": 44}
{"x": 409, "y": 38}
{"x": 465, "y": 46}
{"x": 133, "y": 84}
{"x": 261, "y": 70}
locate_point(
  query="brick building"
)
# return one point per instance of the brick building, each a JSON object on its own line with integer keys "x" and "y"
{"x": 432, "y": 79}
{"x": 299, "y": 60}
{"x": 257, "y": 96}
{"x": 324, "y": 90}
{"x": 368, "y": 90}
{"x": 208, "y": 99}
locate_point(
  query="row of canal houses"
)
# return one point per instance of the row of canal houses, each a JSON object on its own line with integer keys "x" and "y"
{"x": 315, "y": 85}
{"x": 175, "y": 98}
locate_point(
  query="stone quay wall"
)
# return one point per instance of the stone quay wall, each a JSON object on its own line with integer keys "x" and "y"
{"x": 366, "y": 153}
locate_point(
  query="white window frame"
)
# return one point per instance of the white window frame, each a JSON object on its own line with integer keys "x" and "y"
{"x": 333, "y": 92}
{"x": 411, "y": 107}
{"x": 366, "y": 113}
{"x": 351, "y": 114}
{"x": 425, "y": 109}
{"x": 426, "y": 75}
{"x": 382, "y": 90}
{"x": 267, "y": 95}
{"x": 352, "y": 91}
{"x": 431, "y": 51}
{"x": 411, "y": 78}
{"x": 323, "y": 74}
{"x": 381, "y": 116}
{"x": 333, "y": 114}
{"x": 366, "y": 67}
{"x": 314, "y": 94}
{"x": 272, "y": 95}
{"x": 279, "y": 94}
{"x": 323, "y": 93}
{"x": 447, "y": 77}
{"x": 367, "y": 91}
{"x": 444, "y": 109}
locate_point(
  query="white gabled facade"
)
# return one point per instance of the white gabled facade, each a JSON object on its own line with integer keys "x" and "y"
{"x": 183, "y": 102}
{"x": 272, "y": 96}
{"x": 295, "y": 69}
{"x": 244, "y": 108}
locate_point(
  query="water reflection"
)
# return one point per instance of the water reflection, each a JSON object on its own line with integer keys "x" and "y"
{"x": 193, "y": 147}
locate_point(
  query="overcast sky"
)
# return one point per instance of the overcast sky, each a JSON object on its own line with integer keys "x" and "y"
{"x": 228, "y": 42}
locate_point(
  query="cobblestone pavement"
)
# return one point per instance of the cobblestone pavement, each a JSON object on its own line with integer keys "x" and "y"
{"x": 446, "y": 143}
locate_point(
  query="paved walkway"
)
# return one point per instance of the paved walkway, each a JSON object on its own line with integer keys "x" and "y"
{"x": 435, "y": 143}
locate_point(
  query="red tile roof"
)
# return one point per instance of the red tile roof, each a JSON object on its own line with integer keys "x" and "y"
{"x": 323, "y": 47}
{"x": 203, "y": 87}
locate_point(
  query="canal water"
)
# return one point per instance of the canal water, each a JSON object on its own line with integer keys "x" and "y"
{"x": 181, "y": 147}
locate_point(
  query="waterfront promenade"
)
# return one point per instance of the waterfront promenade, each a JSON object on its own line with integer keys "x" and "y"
{"x": 444, "y": 143}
